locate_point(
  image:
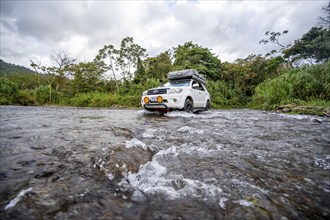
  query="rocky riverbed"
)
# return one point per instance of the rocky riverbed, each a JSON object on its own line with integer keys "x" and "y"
{"x": 82, "y": 163}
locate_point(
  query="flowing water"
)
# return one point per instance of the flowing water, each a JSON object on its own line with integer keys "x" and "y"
{"x": 82, "y": 163}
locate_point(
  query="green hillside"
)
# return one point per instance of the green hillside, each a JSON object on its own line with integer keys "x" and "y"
{"x": 21, "y": 76}
{"x": 8, "y": 68}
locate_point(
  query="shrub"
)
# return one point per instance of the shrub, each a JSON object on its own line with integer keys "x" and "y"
{"x": 27, "y": 97}
{"x": 46, "y": 95}
{"x": 294, "y": 86}
{"x": 223, "y": 95}
{"x": 81, "y": 100}
{"x": 270, "y": 93}
{"x": 8, "y": 92}
{"x": 101, "y": 100}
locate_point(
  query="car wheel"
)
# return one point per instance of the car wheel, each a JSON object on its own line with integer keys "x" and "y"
{"x": 208, "y": 106}
{"x": 188, "y": 106}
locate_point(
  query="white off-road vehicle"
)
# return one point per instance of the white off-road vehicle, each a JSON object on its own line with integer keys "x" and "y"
{"x": 185, "y": 91}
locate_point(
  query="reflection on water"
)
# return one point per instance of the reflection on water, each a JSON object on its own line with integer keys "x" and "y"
{"x": 82, "y": 163}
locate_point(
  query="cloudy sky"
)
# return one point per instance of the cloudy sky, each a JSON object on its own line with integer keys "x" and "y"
{"x": 232, "y": 29}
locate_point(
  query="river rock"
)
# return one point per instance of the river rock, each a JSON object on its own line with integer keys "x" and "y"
{"x": 308, "y": 110}
{"x": 117, "y": 131}
{"x": 118, "y": 161}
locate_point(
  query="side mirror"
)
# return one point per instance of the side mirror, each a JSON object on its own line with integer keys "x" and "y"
{"x": 161, "y": 82}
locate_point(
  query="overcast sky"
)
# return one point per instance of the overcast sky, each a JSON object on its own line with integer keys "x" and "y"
{"x": 232, "y": 29}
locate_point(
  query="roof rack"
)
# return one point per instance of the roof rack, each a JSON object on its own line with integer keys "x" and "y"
{"x": 187, "y": 74}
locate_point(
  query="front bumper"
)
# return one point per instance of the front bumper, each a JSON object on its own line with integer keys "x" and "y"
{"x": 170, "y": 102}
{"x": 156, "y": 107}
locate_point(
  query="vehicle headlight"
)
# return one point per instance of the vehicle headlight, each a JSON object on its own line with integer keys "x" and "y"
{"x": 174, "y": 91}
{"x": 144, "y": 93}
{"x": 160, "y": 99}
{"x": 146, "y": 100}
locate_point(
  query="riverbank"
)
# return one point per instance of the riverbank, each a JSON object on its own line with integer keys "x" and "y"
{"x": 306, "y": 110}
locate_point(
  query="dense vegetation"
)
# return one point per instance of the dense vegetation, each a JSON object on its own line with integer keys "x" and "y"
{"x": 298, "y": 73}
{"x": 295, "y": 86}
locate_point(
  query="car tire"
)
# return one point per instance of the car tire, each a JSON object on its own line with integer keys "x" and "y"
{"x": 208, "y": 106}
{"x": 188, "y": 106}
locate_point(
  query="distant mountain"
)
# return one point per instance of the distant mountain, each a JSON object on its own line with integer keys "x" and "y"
{"x": 8, "y": 68}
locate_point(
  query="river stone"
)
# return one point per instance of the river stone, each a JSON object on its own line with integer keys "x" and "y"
{"x": 118, "y": 161}
{"x": 117, "y": 131}
{"x": 138, "y": 196}
{"x": 309, "y": 110}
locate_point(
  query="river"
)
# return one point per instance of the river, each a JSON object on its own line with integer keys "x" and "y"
{"x": 85, "y": 163}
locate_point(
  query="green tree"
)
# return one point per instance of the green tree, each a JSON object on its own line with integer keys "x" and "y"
{"x": 8, "y": 92}
{"x": 57, "y": 73}
{"x": 62, "y": 67}
{"x": 193, "y": 56}
{"x": 87, "y": 77}
{"x": 158, "y": 67}
{"x": 245, "y": 74}
{"x": 140, "y": 73}
{"x": 313, "y": 46}
{"x": 121, "y": 61}
{"x": 325, "y": 21}
{"x": 274, "y": 38}
{"x": 106, "y": 59}
{"x": 129, "y": 54}
{"x": 45, "y": 70}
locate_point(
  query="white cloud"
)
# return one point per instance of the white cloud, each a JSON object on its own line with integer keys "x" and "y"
{"x": 232, "y": 29}
{"x": 75, "y": 45}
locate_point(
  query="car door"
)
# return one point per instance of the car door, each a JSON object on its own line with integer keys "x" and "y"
{"x": 197, "y": 94}
{"x": 204, "y": 95}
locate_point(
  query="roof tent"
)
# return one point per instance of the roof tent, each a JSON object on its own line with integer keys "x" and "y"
{"x": 187, "y": 74}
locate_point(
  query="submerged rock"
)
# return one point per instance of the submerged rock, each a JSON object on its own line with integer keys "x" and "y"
{"x": 117, "y": 131}
{"x": 116, "y": 162}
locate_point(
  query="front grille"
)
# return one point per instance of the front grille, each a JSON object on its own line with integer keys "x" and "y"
{"x": 156, "y": 91}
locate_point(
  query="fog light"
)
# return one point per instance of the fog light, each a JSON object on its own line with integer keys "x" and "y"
{"x": 159, "y": 99}
{"x": 175, "y": 100}
{"x": 146, "y": 100}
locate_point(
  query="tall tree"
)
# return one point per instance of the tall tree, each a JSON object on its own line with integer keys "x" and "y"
{"x": 121, "y": 61}
{"x": 62, "y": 64}
{"x": 129, "y": 54}
{"x": 158, "y": 67}
{"x": 106, "y": 59}
{"x": 140, "y": 73}
{"x": 325, "y": 21}
{"x": 61, "y": 69}
{"x": 255, "y": 69}
{"x": 245, "y": 74}
{"x": 274, "y": 38}
{"x": 193, "y": 56}
{"x": 314, "y": 46}
{"x": 87, "y": 77}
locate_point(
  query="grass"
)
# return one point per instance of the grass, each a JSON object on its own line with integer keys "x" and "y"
{"x": 305, "y": 86}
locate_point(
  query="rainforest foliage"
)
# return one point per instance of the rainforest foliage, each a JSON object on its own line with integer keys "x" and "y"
{"x": 297, "y": 73}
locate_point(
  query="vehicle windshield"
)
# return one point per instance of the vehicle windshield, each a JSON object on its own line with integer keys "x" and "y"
{"x": 177, "y": 83}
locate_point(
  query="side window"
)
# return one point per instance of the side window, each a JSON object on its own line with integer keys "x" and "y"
{"x": 195, "y": 85}
{"x": 201, "y": 87}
